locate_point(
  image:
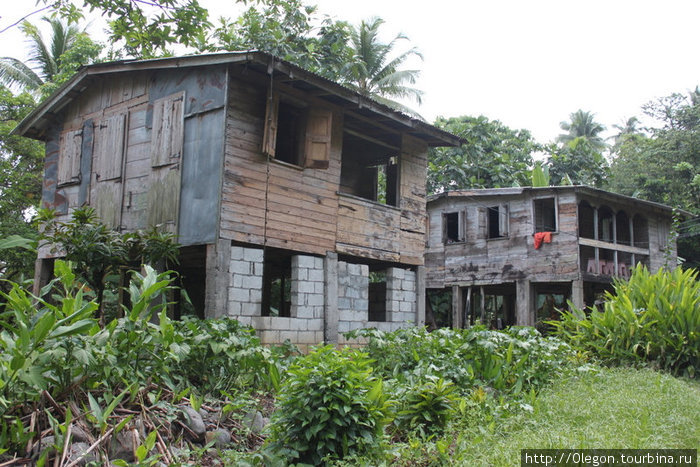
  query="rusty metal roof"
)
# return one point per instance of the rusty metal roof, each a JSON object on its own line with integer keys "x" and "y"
{"x": 363, "y": 107}
{"x": 584, "y": 189}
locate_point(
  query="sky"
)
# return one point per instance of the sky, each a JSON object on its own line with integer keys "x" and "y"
{"x": 527, "y": 63}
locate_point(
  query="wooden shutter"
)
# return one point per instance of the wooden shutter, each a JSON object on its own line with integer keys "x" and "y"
{"x": 503, "y": 220}
{"x": 70, "y": 143}
{"x": 483, "y": 222}
{"x": 271, "y": 115}
{"x": 318, "y": 138}
{"x": 167, "y": 138}
{"x": 108, "y": 150}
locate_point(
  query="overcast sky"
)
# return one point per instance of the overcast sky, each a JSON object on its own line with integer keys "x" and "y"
{"x": 527, "y": 63}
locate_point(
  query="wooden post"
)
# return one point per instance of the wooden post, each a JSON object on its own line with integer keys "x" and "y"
{"x": 577, "y": 294}
{"x": 217, "y": 278}
{"x": 330, "y": 308}
{"x": 420, "y": 296}
{"x": 456, "y": 307}
{"x": 524, "y": 312}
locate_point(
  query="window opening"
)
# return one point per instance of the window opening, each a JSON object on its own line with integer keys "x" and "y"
{"x": 291, "y": 124}
{"x": 277, "y": 285}
{"x": 377, "y": 296}
{"x": 452, "y": 230}
{"x": 497, "y": 221}
{"x": 369, "y": 170}
{"x": 545, "y": 215}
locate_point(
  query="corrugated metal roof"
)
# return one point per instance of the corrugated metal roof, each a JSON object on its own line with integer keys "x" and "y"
{"x": 37, "y": 121}
{"x": 596, "y": 192}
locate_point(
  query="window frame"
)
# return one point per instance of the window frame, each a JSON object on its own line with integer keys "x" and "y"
{"x": 555, "y": 204}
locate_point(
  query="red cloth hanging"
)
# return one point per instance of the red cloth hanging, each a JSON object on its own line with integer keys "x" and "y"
{"x": 542, "y": 237}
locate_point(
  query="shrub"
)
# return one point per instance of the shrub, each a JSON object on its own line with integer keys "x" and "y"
{"x": 330, "y": 406}
{"x": 425, "y": 408}
{"x": 508, "y": 361}
{"x": 652, "y": 318}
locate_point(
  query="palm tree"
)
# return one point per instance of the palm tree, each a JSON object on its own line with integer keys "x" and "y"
{"x": 373, "y": 73}
{"x": 629, "y": 128}
{"x": 583, "y": 125}
{"x": 44, "y": 61}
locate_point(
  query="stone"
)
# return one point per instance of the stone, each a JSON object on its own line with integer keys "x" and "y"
{"x": 77, "y": 451}
{"x": 122, "y": 446}
{"x": 254, "y": 421}
{"x": 79, "y": 435}
{"x": 220, "y": 437}
{"x": 47, "y": 444}
{"x": 193, "y": 421}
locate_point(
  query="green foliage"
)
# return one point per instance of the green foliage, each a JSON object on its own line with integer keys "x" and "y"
{"x": 583, "y": 127}
{"x": 425, "y": 408}
{"x": 331, "y": 406}
{"x": 510, "y": 361}
{"x": 576, "y": 162}
{"x": 98, "y": 251}
{"x": 21, "y": 163}
{"x": 286, "y": 29}
{"x": 540, "y": 175}
{"x": 652, "y": 318}
{"x": 373, "y": 69}
{"x": 37, "y": 340}
{"x": 662, "y": 163}
{"x": 147, "y": 28}
{"x": 493, "y": 156}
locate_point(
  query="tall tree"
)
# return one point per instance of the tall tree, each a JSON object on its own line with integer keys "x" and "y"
{"x": 44, "y": 61}
{"x": 578, "y": 162}
{"x": 21, "y": 162}
{"x": 493, "y": 156}
{"x": 583, "y": 125}
{"x": 286, "y": 29}
{"x": 375, "y": 71}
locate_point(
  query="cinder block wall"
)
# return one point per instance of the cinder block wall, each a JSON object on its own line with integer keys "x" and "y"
{"x": 305, "y": 325}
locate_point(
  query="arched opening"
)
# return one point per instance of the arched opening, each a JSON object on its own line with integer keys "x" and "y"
{"x": 622, "y": 228}
{"x": 640, "y": 229}
{"x": 605, "y": 224}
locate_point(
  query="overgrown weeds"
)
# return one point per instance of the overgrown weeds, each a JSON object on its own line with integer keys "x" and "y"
{"x": 651, "y": 319}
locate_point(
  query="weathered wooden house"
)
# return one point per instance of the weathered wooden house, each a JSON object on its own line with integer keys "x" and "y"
{"x": 511, "y": 255}
{"x": 300, "y": 204}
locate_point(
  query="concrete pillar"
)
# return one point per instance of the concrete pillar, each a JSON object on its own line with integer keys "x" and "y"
{"x": 577, "y": 294}
{"x": 330, "y": 312}
{"x": 217, "y": 278}
{"x": 457, "y": 310}
{"x": 420, "y": 296}
{"x": 524, "y": 309}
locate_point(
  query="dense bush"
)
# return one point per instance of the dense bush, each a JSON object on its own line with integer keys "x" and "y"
{"x": 652, "y": 318}
{"x": 507, "y": 361}
{"x": 330, "y": 406}
{"x": 57, "y": 348}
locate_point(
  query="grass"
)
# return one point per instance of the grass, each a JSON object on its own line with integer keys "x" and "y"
{"x": 620, "y": 408}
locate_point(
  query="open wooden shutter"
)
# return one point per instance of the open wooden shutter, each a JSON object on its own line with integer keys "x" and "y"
{"x": 70, "y": 143}
{"x": 168, "y": 130}
{"x": 108, "y": 150}
{"x": 503, "y": 220}
{"x": 483, "y": 222}
{"x": 271, "y": 116}
{"x": 318, "y": 138}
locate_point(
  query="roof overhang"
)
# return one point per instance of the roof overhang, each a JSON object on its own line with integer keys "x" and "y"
{"x": 362, "y": 107}
{"x": 595, "y": 193}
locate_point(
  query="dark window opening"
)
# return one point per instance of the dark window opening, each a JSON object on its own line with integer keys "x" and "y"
{"x": 640, "y": 231}
{"x": 377, "y": 296}
{"x": 622, "y": 229}
{"x": 586, "y": 223}
{"x": 497, "y": 221}
{"x": 277, "y": 284}
{"x": 496, "y": 309}
{"x": 291, "y": 124}
{"x": 369, "y": 170}
{"x": 545, "y": 215}
{"x": 605, "y": 224}
{"x": 192, "y": 278}
{"x": 452, "y": 230}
